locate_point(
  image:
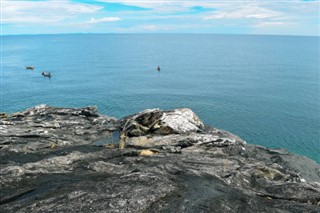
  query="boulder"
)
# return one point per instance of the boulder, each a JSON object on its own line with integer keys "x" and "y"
{"x": 155, "y": 121}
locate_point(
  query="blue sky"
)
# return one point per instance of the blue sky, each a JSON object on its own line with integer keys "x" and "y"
{"x": 281, "y": 17}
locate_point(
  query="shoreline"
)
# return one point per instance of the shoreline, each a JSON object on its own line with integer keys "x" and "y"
{"x": 298, "y": 153}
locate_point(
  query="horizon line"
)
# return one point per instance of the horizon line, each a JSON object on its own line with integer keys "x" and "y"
{"x": 150, "y": 33}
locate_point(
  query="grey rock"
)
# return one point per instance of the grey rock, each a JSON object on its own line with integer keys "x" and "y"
{"x": 172, "y": 149}
{"x": 42, "y": 127}
{"x": 191, "y": 168}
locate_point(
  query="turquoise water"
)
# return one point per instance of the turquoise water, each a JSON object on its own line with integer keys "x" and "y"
{"x": 263, "y": 88}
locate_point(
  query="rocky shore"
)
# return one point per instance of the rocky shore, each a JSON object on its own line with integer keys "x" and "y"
{"x": 77, "y": 160}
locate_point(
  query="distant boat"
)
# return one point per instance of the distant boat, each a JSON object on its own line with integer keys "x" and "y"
{"x": 29, "y": 67}
{"x": 158, "y": 68}
{"x": 46, "y": 74}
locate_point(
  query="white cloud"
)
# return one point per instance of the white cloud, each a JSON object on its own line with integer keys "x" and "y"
{"x": 149, "y": 27}
{"x": 140, "y": 3}
{"x": 102, "y": 20}
{"x": 154, "y": 4}
{"x": 250, "y": 11}
{"x": 22, "y": 12}
{"x": 272, "y": 24}
{"x": 167, "y": 6}
{"x": 169, "y": 15}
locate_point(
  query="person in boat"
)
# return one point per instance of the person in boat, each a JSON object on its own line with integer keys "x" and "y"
{"x": 29, "y": 67}
{"x": 45, "y": 74}
{"x": 158, "y": 68}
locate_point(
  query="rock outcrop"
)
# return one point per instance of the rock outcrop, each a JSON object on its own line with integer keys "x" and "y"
{"x": 51, "y": 162}
{"x": 155, "y": 121}
{"x": 43, "y": 127}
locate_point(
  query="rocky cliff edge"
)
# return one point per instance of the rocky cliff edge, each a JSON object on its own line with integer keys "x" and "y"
{"x": 77, "y": 160}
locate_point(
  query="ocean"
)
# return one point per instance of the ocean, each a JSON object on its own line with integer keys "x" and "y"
{"x": 266, "y": 89}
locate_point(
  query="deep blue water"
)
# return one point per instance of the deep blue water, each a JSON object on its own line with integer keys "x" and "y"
{"x": 263, "y": 88}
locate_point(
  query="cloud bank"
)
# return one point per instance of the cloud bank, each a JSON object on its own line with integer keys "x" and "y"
{"x": 296, "y": 17}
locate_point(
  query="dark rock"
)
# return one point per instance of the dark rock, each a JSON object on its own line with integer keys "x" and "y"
{"x": 3, "y": 115}
{"x": 52, "y": 161}
{"x": 39, "y": 127}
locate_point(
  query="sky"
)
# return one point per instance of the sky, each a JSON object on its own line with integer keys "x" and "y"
{"x": 271, "y": 17}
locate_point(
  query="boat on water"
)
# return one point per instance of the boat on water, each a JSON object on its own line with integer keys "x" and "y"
{"x": 29, "y": 67}
{"x": 46, "y": 74}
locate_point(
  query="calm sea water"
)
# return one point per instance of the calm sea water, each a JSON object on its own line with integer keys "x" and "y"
{"x": 263, "y": 88}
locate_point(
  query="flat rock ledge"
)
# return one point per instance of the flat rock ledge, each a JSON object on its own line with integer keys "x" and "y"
{"x": 77, "y": 160}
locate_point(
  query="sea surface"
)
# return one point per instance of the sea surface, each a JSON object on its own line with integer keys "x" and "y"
{"x": 263, "y": 88}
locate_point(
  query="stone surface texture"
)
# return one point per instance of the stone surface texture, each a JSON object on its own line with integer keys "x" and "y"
{"x": 171, "y": 162}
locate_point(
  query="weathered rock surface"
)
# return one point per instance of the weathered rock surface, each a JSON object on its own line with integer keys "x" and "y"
{"x": 171, "y": 162}
{"x": 43, "y": 127}
{"x": 162, "y": 122}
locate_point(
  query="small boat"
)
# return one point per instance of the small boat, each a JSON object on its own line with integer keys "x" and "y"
{"x": 158, "y": 68}
{"x": 46, "y": 74}
{"x": 29, "y": 67}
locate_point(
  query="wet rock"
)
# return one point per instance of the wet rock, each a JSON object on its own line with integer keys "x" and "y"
{"x": 54, "y": 160}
